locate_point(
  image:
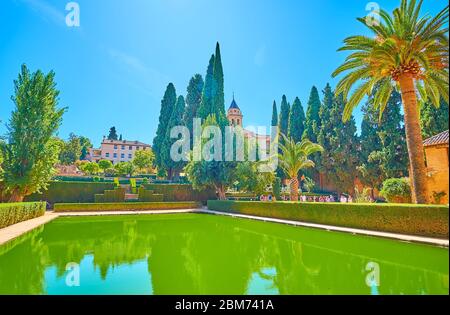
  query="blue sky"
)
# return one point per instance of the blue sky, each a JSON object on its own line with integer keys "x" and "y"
{"x": 113, "y": 69}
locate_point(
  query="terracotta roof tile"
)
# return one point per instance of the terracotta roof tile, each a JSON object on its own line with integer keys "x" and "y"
{"x": 438, "y": 139}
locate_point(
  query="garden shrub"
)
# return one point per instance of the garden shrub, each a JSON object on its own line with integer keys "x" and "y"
{"x": 149, "y": 196}
{"x": 68, "y": 192}
{"x": 124, "y": 206}
{"x": 397, "y": 190}
{"x": 180, "y": 192}
{"x": 423, "y": 220}
{"x": 277, "y": 188}
{"x": 12, "y": 213}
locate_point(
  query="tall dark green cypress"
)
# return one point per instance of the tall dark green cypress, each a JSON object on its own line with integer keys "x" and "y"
{"x": 219, "y": 89}
{"x": 167, "y": 106}
{"x": 296, "y": 121}
{"x": 274, "y": 114}
{"x": 284, "y": 117}
{"x": 207, "y": 95}
{"x": 176, "y": 119}
{"x": 312, "y": 123}
{"x": 433, "y": 120}
{"x": 193, "y": 102}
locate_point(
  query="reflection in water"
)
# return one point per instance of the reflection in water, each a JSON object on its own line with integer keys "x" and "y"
{"x": 202, "y": 254}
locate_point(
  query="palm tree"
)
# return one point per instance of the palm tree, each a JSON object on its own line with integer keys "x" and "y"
{"x": 294, "y": 157}
{"x": 409, "y": 53}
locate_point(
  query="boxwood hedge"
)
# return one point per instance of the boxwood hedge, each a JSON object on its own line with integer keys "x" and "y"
{"x": 124, "y": 206}
{"x": 12, "y": 213}
{"x": 180, "y": 192}
{"x": 422, "y": 220}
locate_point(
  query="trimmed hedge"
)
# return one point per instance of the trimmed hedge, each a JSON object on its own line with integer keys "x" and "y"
{"x": 12, "y": 213}
{"x": 180, "y": 192}
{"x": 124, "y": 206}
{"x": 149, "y": 196}
{"x": 67, "y": 192}
{"x": 422, "y": 220}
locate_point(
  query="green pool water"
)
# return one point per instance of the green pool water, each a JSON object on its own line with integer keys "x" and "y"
{"x": 206, "y": 254}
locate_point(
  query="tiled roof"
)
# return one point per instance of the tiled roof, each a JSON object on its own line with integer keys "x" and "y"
{"x": 234, "y": 105}
{"x": 125, "y": 142}
{"x": 441, "y": 138}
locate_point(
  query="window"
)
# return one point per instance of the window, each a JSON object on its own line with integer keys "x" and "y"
{"x": 115, "y": 147}
{"x": 115, "y": 155}
{"x": 130, "y": 148}
{"x": 123, "y": 147}
{"x": 107, "y": 154}
{"x": 137, "y": 148}
{"x": 122, "y": 155}
{"x": 130, "y": 156}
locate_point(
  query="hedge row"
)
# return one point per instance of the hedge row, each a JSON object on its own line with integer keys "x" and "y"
{"x": 68, "y": 192}
{"x": 180, "y": 192}
{"x": 116, "y": 195}
{"x": 149, "y": 195}
{"x": 12, "y": 213}
{"x": 423, "y": 220}
{"x": 124, "y": 206}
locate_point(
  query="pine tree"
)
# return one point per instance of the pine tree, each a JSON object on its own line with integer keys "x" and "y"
{"x": 274, "y": 115}
{"x": 167, "y": 106}
{"x": 433, "y": 120}
{"x": 312, "y": 123}
{"x": 339, "y": 159}
{"x": 193, "y": 102}
{"x": 206, "y": 104}
{"x": 176, "y": 119}
{"x": 112, "y": 134}
{"x": 296, "y": 121}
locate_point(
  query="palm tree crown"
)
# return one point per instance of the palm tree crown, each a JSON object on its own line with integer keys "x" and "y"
{"x": 404, "y": 44}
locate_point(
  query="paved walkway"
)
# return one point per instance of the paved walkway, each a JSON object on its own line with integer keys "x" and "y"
{"x": 14, "y": 231}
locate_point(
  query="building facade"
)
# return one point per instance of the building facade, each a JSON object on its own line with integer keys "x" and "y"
{"x": 436, "y": 152}
{"x": 116, "y": 151}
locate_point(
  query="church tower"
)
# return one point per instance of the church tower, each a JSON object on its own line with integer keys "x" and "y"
{"x": 234, "y": 114}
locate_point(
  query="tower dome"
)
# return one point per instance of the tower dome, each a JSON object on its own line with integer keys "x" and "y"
{"x": 234, "y": 114}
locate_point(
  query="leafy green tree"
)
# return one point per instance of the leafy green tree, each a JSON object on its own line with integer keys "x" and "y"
{"x": 167, "y": 105}
{"x": 211, "y": 174}
{"x": 112, "y": 134}
{"x": 433, "y": 120}
{"x": 173, "y": 168}
{"x": 70, "y": 151}
{"x": 86, "y": 144}
{"x": 274, "y": 115}
{"x": 90, "y": 168}
{"x": 251, "y": 179}
{"x": 277, "y": 188}
{"x": 312, "y": 122}
{"x": 404, "y": 50}
{"x": 296, "y": 121}
{"x": 206, "y": 105}
{"x": 32, "y": 152}
{"x": 193, "y": 102}
{"x": 143, "y": 159}
{"x": 105, "y": 164}
{"x": 339, "y": 159}
{"x": 295, "y": 157}
{"x": 125, "y": 169}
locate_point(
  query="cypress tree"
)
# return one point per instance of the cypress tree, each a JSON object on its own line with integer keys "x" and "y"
{"x": 176, "y": 119}
{"x": 433, "y": 120}
{"x": 274, "y": 115}
{"x": 112, "y": 134}
{"x": 207, "y": 95}
{"x": 167, "y": 106}
{"x": 193, "y": 102}
{"x": 284, "y": 116}
{"x": 219, "y": 90}
{"x": 296, "y": 121}
{"x": 312, "y": 123}
{"x": 339, "y": 159}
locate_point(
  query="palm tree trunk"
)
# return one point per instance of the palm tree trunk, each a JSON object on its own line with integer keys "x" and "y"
{"x": 414, "y": 139}
{"x": 294, "y": 189}
{"x": 16, "y": 196}
{"x": 221, "y": 195}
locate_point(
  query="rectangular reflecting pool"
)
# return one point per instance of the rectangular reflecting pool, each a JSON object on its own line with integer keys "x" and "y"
{"x": 206, "y": 254}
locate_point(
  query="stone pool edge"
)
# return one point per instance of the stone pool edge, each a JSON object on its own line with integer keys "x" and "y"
{"x": 14, "y": 231}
